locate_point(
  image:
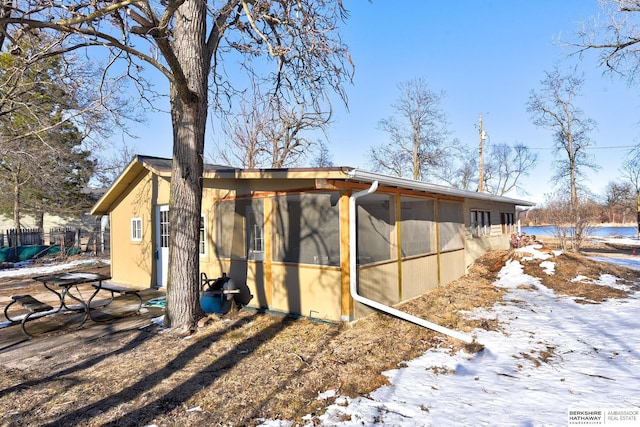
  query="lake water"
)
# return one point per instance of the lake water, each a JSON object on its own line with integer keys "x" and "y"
{"x": 595, "y": 231}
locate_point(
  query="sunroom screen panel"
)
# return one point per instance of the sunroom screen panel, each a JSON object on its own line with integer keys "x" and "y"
{"x": 307, "y": 229}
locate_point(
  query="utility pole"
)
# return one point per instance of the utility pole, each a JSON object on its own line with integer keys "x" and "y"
{"x": 483, "y": 136}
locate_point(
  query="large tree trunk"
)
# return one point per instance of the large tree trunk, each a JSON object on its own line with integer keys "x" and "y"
{"x": 188, "y": 113}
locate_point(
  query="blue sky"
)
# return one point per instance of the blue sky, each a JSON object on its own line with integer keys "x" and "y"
{"x": 487, "y": 56}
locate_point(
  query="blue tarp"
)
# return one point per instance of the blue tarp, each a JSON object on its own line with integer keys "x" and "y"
{"x": 24, "y": 253}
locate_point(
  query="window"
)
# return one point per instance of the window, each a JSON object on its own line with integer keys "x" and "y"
{"x": 136, "y": 229}
{"x": 255, "y": 231}
{"x": 164, "y": 229}
{"x": 307, "y": 229}
{"x": 508, "y": 223}
{"x": 480, "y": 223}
{"x": 226, "y": 241}
{"x": 239, "y": 229}
{"x": 202, "y": 244}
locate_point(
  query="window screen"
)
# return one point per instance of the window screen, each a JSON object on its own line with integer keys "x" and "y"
{"x": 376, "y": 225}
{"x": 451, "y": 219}
{"x": 417, "y": 226}
{"x": 307, "y": 229}
{"x": 239, "y": 229}
{"x": 508, "y": 223}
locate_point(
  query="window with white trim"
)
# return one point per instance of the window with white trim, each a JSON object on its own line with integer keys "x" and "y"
{"x": 202, "y": 245}
{"x": 136, "y": 229}
{"x": 255, "y": 231}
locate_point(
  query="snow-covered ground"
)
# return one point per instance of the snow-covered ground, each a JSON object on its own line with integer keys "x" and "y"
{"x": 556, "y": 363}
{"x": 26, "y": 268}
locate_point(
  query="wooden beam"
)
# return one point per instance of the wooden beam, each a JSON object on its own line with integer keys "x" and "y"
{"x": 347, "y": 305}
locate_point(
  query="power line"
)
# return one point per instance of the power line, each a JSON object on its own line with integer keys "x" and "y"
{"x": 587, "y": 148}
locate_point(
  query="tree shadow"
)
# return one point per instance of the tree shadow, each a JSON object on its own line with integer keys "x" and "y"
{"x": 183, "y": 392}
{"x": 141, "y": 336}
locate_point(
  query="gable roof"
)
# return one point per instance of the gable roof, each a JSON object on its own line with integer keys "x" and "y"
{"x": 162, "y": 167}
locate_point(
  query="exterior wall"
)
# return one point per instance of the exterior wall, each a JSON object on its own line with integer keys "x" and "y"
{"x": 452, "y": 266}
{"x": 307, "y": 290}
{"x": 319, "y": 291}
{"x": 378, "y": 283}
{"x": 419, "y": 275}
{"x": 50, "y": 221}
{"x": 133, "y": 263}
{"x": 496, "y": 240}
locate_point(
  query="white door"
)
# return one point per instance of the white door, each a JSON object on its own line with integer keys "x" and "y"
{"x": 162, "y": 245}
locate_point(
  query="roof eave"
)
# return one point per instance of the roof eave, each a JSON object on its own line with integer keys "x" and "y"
{"x": 119, "y": 185}
{"x": 391, "y": 181}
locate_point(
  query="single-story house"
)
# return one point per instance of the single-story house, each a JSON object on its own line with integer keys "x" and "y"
{"x": 285, "y": 233}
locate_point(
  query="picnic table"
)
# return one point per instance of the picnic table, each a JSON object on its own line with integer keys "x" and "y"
{"x": 65, "y": 284}
{"x": 66, "y": 287}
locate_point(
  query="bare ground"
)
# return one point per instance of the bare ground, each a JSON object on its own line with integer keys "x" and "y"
{"x": 247, "y": 365}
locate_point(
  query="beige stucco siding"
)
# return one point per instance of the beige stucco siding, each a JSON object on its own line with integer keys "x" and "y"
{"x": 307, "y": 290}
{"x": 131, "y": 261}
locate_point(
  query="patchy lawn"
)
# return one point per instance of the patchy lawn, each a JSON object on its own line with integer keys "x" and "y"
{"x": 249, "y": 366}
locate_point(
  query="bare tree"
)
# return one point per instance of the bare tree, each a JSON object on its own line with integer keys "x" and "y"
{"x": 554, "y": 107}
{"x": 559, "y": 211}
{"x": 506, "y": 166}
{"x": 615, "y": 34}
{"x": 269, "y": 132}
{"x": 187, "y": 41}
{"x": 630, "y": 171}
{"x": 616, "y": 199}
{"x": 287, "y": 131}
{"x": 110, "y": 165}
{"x": 243, "y": 145}
{"x": 460, "y": 168}
{"x": 417, "y": 132}
{"x": 323, "y": 156}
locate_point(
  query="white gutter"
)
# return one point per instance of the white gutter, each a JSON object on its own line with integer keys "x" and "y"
{"x": 395, "y": 181}
{"x": 353, "y": 277}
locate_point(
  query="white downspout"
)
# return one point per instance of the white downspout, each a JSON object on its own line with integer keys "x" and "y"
{"x": 353, "y": 277}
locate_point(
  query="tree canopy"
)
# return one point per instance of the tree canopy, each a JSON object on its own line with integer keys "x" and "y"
{"x": 417, "y": 133}
{"x": 44, "y": 165}
{"x": 200, "y": 47}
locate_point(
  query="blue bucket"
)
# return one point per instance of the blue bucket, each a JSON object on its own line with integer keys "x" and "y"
{"x": 214, "y": 302}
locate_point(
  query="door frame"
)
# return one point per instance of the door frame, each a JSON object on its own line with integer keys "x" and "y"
{"x": 162, "y": 246}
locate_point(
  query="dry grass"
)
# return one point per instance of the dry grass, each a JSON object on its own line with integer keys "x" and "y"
{"x": 248, "y": 366}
